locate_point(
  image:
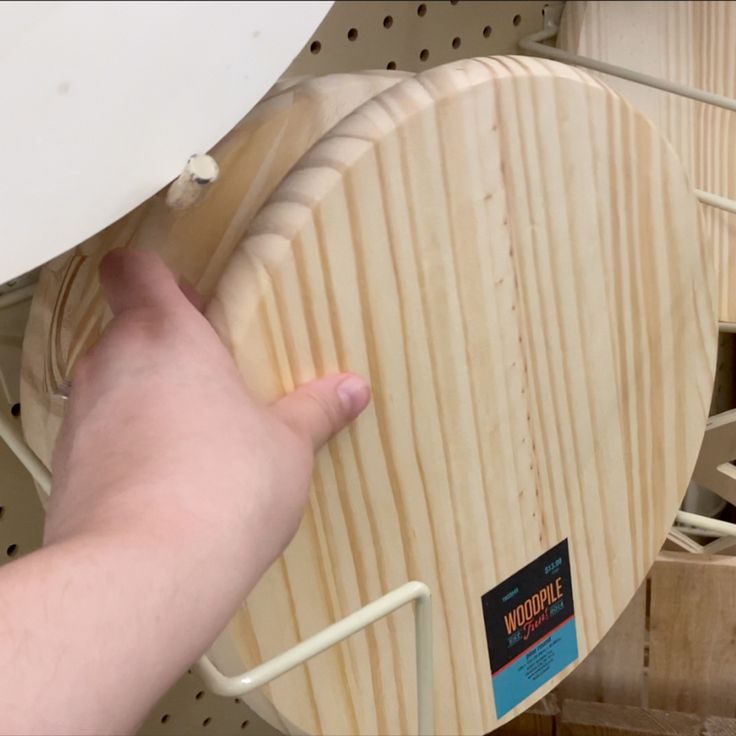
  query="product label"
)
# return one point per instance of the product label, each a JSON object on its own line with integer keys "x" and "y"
{"x": 530, "y": 627}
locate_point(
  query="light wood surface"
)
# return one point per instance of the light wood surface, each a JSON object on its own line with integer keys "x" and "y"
{"x": 512, "y": 256}
{"x": 689, "y": 42}
{"x": 692, "y": 657}
{"x": 68, "y": 311}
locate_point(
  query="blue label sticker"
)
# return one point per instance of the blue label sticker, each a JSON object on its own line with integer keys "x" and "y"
{"x": 530, "y": 627}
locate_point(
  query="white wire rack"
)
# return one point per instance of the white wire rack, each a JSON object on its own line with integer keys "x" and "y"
{"x": 411, "y": 592}
{"x": 419, "y": 593}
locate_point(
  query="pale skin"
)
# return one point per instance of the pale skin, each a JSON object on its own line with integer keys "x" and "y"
{"x": 174, "y": 490}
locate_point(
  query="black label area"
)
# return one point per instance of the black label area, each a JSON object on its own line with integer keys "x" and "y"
{"x": 530, "y": 627}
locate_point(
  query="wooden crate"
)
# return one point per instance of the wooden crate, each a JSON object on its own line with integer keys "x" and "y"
{"x": 668, "y": 666}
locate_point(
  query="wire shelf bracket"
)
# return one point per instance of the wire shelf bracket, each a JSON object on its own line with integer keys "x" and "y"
{"x": 413, "y": 591}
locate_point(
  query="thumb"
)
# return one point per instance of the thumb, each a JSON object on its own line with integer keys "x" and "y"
{"x": 321, "y": 408}
{"x": 133, "y": 278}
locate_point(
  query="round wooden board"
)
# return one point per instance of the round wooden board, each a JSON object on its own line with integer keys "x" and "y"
{"x": 688, "y": 42}
{"x": 512, "y": 255}
{"x": 69, "y": 312}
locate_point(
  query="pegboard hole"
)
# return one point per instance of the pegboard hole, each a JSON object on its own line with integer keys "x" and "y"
{"x": 517, "y": 19}
{"x": 199, "y": 695}
{"x": 353, "y": 34}
{"x": 424, "y": 54}
{"x": 244, "y": 725}
{"x": 315, "y": 47}
{"x": 15, "y": 410}
{"x": 487, "y": 31}
{"x": 421, "y": 10}
{"x": 456, "y": 42}
{"x": 388, "y": 21}
{"x": 12, "y": 550}
{"x": 164, "y": 718}
{"x": 2, "y": 511}
{"x": 207, "y": 721}
{"x": 391, "y": 65}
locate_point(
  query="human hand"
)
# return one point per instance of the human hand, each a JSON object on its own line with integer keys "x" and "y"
{"x": 163, "y": 443}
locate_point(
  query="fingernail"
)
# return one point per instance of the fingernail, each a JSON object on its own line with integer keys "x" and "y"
{"x": 354, "y": 394}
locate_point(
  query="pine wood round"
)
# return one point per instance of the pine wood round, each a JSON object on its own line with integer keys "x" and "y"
{"x": 68, "y": 311}
{"x": 688, "y": 42}
{"x": 512, "y": 255}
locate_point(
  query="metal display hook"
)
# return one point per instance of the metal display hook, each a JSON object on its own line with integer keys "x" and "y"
{"x": 246, "y": 682}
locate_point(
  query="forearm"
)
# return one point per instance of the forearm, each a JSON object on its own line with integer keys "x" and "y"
{"x": 96, "y": 630}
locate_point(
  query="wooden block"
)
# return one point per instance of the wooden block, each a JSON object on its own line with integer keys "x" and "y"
{"x": 539, "y": 720}
{"x": 613, "y": 673}
{"x": 692, "y": 650}
{"x": 602, "y": 719}
{"x": 512, "y": 256}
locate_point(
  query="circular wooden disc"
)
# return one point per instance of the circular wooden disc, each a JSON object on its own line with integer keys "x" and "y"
{"x": 512, "y": 255}
{"x": 687, "y": 42}
{"x": 68, "y": 311}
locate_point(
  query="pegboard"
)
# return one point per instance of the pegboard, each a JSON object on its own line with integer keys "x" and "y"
{"x": 189, "y": 709}
{"x": 20, "y": 511}
{"x": 412, "y": 36}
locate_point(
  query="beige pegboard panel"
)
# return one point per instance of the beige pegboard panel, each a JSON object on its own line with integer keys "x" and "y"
{"x": 190, "y": 710}
{"x": 20, "y": 511}
{"x": 355, "y": 35}
{"x": 412, "y": 36}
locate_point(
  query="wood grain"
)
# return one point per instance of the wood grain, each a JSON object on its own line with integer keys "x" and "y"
{"x": 512, "y": 255}
{"x": 689, "y": 42}
{"x": 692, "y": 652}
{"x": 68, "y": 311}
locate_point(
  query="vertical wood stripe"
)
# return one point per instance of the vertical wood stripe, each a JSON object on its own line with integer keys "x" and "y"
{"x": 692, "y": 660}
